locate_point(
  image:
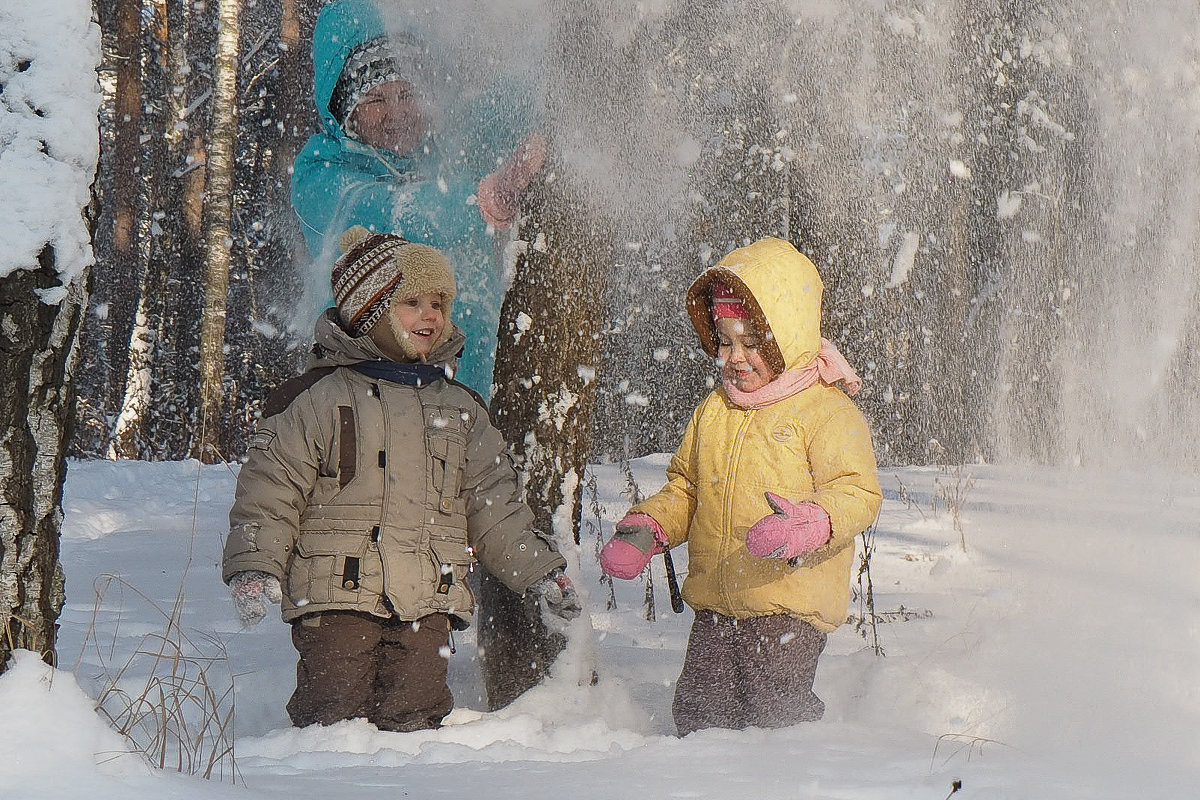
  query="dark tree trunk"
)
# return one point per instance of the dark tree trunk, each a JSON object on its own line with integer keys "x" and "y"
{"x": 152, "y": 233}
{"x": 275, "y": 116}
{"x": 106, "y": 333}
{"x": 546, "y": 364}
{"x": 193, "y": 36}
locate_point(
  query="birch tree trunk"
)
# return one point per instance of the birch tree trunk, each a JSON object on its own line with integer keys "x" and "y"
{"x": 42, "y": 300}
{"x": 218, "y": 214}
{"x": 37, "y": 407}
{"x": 136, "y": 405}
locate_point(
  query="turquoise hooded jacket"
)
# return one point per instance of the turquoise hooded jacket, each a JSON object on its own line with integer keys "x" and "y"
{"x": 426, "y": 197}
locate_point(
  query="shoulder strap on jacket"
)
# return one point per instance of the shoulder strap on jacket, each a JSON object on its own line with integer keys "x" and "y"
{"x": 281, "y": 398}
{"x": 476, "y": 396}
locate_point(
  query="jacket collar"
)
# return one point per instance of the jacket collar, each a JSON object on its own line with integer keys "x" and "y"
{"x": 406, "y": 374}
{"x": 333, "y": 347}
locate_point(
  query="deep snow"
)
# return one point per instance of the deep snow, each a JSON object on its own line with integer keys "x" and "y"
{"x": 1052, "y": 658}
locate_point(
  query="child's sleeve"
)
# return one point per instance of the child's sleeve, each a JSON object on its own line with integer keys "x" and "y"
{"x": 273, "y": 488}
{"x": 842, "y": 461}
{"x": 500, "y": 526}
{"x": 675, "y": 504}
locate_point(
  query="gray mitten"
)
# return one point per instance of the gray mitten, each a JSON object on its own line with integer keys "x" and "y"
{"x": 558, "y": 602}
{"x": 252, "y": 591}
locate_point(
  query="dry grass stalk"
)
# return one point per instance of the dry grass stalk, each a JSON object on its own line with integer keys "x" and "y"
{"x": 867, "y": 623}
{"x": 596, "y": 529}
{"x": 176, "y": 715}
{"x": 954, "y": 495}
{"x": 958, "y": 742}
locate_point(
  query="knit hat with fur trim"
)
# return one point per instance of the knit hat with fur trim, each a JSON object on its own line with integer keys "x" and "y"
{"x": 376, "y": 268}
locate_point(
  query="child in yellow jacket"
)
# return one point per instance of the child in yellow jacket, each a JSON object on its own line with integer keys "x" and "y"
{"x": 774, "y": 478}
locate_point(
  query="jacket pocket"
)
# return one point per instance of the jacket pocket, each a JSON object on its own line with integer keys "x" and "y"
{"x": 452, "y": 562}
{"x": 330, "y": 567}
{"x": 449, "y": 451}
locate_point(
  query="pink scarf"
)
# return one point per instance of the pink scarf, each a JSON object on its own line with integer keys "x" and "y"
{"x": 829, "y": 366}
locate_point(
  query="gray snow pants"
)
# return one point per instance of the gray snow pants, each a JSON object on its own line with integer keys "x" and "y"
{"x": 390, "y": 672}
{"x": 755, "y": 672}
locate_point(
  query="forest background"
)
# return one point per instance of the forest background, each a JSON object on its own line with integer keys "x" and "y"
{"x": 1000, "y": 199}
{"x": 978, "y": 182}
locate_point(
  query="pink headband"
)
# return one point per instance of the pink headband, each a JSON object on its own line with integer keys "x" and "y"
{"x": 725, "y": 303}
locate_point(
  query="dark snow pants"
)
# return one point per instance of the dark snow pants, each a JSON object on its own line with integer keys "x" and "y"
{"x": 390, "y": 672}
{"x": 755, "y": 672}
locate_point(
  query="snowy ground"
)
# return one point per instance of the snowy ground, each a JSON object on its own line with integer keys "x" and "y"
{"x": 1054, "y": 657}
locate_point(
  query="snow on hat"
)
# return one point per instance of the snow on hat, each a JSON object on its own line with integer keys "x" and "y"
{"x": 376, "y": 268}
{"x": 727, "y": 303}
{"x": 373, "y": 63}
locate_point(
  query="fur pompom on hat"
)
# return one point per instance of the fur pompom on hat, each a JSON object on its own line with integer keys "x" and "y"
{"x": 376, "y": 268}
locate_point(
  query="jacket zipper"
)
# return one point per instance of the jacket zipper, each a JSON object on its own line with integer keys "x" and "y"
{"x": 383, "y": 496}
{"x": 735, "y": 455}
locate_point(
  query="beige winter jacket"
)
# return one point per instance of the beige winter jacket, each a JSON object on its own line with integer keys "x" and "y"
{"x": 363, "y": 493}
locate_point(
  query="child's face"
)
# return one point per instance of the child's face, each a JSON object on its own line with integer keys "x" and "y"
{"x": 390, "y": 117}
{"x": 418, "y": 321}
{"x": 739, "y": 356}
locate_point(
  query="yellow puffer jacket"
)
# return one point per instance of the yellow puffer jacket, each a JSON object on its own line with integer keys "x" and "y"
{"x": 813, "y": 446}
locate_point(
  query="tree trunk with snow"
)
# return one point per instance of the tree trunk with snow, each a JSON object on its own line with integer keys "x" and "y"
{"x": 218, "y": 215}
{"x": 37, "y": 407}
{"x": 44, "y": 285}
{"x": 546, "y": 361}
{"x": 1031, "y": 220}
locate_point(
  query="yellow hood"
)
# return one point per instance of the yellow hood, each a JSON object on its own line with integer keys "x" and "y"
{"x": 781, "y": 289}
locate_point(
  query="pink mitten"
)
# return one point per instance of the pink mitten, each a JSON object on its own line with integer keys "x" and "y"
{"x": 499, "y": 194}
{"x": 638, "y": 539}
{"x": 793, "y": 530}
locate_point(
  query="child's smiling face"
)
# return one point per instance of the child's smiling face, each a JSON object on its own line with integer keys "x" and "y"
{"x": 417, "y": 321}
{"x": 739, "y": 355}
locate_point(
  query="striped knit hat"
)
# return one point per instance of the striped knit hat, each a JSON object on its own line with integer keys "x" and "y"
{"x": 377, "y": 267}
{"x": 375, "y": 62}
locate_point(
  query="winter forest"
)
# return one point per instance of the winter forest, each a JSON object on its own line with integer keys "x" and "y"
{"x": 998, "y": 197}
{"x": 982, "y": 185}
